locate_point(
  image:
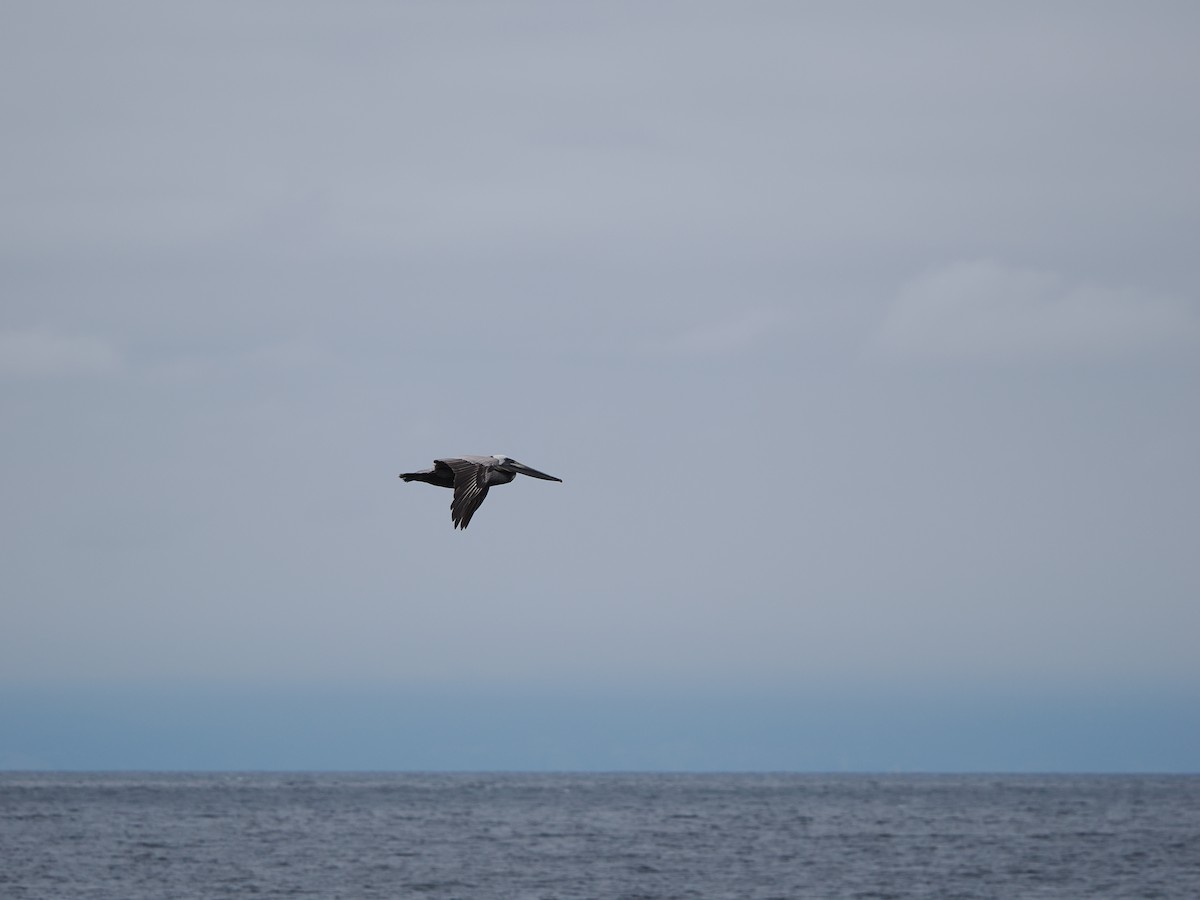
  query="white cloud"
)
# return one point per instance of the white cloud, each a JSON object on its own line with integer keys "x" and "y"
{"x": 987, "y": 311}
{"x": 41, "y": 353}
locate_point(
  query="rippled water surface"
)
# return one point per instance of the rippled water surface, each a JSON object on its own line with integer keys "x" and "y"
{"x": 594, "y": 836}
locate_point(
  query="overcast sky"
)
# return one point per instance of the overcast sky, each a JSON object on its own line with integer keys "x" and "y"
{"x": 864, "y": 337}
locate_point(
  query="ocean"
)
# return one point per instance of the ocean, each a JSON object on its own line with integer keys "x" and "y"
{"x": 554, "y": 836}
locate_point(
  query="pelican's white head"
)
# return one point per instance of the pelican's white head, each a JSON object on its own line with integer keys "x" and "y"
{"x": 501, "y": 457}
{"x": 508, "y": 464}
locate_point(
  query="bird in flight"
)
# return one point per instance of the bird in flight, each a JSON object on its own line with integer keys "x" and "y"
{"x": 471, "y": 476}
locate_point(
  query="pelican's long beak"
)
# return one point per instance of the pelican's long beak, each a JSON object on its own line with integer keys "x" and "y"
{"x": 526, "y": 470}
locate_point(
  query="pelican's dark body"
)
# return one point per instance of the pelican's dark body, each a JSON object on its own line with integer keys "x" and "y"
{"x": 470, "y": 477}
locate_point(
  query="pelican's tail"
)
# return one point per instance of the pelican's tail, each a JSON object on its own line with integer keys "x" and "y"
{"x": 438, "y": 475}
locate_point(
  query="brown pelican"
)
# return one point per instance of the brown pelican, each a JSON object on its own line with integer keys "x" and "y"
{"x": 471, "y": 476}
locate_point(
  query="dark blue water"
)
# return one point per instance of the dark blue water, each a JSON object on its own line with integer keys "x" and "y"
{"x": 184, "y": 836}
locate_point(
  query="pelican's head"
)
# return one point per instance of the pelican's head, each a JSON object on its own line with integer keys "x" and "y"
{"x": 508, "y": 464}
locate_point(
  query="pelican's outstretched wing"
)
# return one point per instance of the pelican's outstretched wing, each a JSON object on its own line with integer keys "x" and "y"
{"x": 469, "y": 490}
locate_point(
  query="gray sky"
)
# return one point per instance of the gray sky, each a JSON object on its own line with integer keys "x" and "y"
{"x": 866, "y": 339}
